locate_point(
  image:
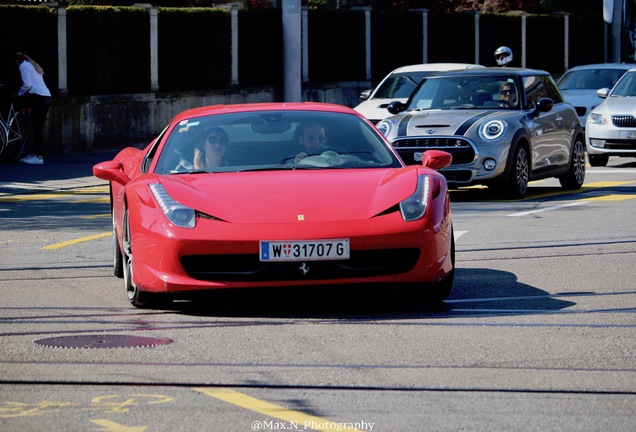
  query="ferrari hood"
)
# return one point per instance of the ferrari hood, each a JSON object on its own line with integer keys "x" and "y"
{"x": 284, "y": 196}
{"x": 442, "y": 122}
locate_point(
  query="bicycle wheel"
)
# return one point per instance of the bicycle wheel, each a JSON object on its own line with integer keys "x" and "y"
{"x": 18, "y": 134}
{"x": 3, "y": 138}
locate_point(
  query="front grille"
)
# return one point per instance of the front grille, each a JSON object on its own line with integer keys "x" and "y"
{"x": 248, "y": 268}
{"x": 624, "y": 121}
{"x": 460, "y": 148}
{"x": 431, "y": 142}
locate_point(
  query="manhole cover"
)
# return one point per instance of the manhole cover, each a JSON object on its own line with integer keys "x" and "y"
{"x": 102, "y": 341}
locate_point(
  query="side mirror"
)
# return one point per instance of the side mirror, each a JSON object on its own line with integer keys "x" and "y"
{"x": 545, "y": 104}
{"x": 436, "y": 159}
{"x": 602, "y": 93}
{"x": 364, "y": 95}
{"x": 396, "y": 107}
{"x": 111, "y": 171}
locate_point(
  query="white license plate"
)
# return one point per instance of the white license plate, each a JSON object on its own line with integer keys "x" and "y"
{"x": 306, "y": 250}
{"x": 417, "y": 156}
{"x": 631, "y": 135}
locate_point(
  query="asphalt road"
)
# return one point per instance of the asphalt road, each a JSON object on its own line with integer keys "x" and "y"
{"x": 538, "y": 334}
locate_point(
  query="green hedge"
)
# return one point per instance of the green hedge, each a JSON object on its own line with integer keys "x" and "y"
{"x": 108, "y": 46}
{"x": 194, "y": 49}
{"x": 108, "y": 50}
{"x": 31, "y": 30}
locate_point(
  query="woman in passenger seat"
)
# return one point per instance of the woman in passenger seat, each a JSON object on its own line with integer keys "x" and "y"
{"x": 212, "y": 152}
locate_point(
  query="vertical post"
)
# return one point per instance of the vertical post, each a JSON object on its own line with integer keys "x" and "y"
{"x": 305, "y": 44}
{"x": 292, "y": 86}
{"x": 566, "y": 41}
{"x": 524, "y": 36}
{"x": 424, "y": 35}
{"x": 62, "y": 57}
{"x": 154, "y": 49}
{"x": 235, "y": 62}
{"x": 367, "y": 44}
{"x": 477, "y": 32}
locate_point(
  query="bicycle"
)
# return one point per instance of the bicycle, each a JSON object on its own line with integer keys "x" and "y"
{"x": 14, "y": 132}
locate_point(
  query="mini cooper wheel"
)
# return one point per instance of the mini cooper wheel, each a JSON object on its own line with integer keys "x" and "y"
{"x": 576, "y": 174}
{"x": 517, "y": 185}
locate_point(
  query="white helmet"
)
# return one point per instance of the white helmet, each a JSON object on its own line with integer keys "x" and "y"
{"x": 503, "y": 55}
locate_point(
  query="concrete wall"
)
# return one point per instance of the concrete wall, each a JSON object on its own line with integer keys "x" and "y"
{"x": 97, "y": 123}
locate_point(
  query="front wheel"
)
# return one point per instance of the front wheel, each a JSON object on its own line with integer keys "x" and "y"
{"x": 576, "y": 173}
{"x": 137, "y": 297}
{"x": 517, "y": 184}
{"x": 437, "y": 291}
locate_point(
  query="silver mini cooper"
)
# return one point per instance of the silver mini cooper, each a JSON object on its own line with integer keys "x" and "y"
{"x": 504, "y": 127}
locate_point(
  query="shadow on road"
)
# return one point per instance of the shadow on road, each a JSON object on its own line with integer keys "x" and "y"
{"x": 476, "y": 292}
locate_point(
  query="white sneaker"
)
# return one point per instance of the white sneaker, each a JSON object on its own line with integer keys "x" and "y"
{"x": 32, "y": 160}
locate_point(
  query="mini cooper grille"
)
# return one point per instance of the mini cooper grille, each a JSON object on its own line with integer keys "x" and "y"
{"x": 248, "y": 268}
{"x": 432, "y": 142}
{"x": 626, "y": 121}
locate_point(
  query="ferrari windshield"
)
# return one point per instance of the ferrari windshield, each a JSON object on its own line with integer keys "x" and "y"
{"x": 273, "y": 140}
{"x": 466, "y": 92}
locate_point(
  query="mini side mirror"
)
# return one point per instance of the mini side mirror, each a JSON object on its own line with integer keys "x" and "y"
{"x": 396, "y": 107}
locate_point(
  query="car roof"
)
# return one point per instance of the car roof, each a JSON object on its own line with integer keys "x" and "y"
{"x": 494, "y": 71}
{"x": 253, "y": 107}
{"x": 428, "y": 67}
{"x": 623, "y": 66}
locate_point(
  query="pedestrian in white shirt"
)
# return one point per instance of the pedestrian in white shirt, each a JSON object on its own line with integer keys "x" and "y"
{"x": 37, "y": 97}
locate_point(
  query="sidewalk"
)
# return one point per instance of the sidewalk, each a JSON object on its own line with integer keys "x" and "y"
{"x": 58, "y": 173}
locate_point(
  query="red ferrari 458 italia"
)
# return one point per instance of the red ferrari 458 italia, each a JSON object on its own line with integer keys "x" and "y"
{"x": 276, "y": 195}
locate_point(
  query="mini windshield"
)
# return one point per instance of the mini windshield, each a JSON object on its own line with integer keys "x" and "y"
{"x": 273, "y": 140}
{"x": 466, "y": 92}
{"x": 399, "y": 85}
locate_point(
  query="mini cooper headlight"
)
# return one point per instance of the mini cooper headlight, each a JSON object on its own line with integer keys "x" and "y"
{"x": 176, "y": 213}
{"x": 414, "y": 207}
{"x": 384, "y": 127}
{"x": 492, "y": 130}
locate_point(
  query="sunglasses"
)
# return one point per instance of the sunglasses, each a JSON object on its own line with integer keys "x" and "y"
{"x": 506, "y": 92}
{"x": 213, "y": 139}
{"x": 320, "y": 139}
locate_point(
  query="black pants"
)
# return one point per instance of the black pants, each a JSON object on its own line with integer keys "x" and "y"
{"x": 39, "y": 106}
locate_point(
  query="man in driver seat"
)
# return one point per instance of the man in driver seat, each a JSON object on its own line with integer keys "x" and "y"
{"x": 311, "y": 137}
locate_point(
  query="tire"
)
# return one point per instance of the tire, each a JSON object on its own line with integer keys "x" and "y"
{"x": 17, "y": 136}
{"x": 437, "y": 291}
{"x": 118, "y": 258}
{"x": 516, "y": 186}
{"x": 598, "y": 160}
{"x": 136, "y": 297}
{"x": 576, "y": 174}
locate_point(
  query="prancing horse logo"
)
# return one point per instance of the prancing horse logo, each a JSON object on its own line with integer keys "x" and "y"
{"x": 304, "y": 269}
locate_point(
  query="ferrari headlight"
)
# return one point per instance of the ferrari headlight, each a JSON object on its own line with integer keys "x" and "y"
{"x": 492, "y": 130}
{"x": 414, "y": 207}
{"x": 384, "y": 127}
{"x": 176, "y": 213}
{"x": 597, "y": 119}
